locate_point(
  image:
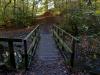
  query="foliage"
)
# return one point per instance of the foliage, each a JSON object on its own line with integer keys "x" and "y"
{"x": 81, "y": 18}
{"x": 18, "y": 13}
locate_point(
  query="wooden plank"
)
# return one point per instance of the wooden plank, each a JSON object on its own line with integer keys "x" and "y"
{"x": 10, "y": 39}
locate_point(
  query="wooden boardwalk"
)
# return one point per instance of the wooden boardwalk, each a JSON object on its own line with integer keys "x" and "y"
{"x": 48, "y": 60}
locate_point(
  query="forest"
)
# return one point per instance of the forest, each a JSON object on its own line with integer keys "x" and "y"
{"x": 76, "y": 31}
{"x": 81, "y": 15}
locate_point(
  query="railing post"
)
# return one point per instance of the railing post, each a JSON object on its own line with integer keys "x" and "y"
{"x": 12, "y": 56}
{"x": 62, "y": 39}
{"x": 26, "y": 55}
{"x": 73, "y": 54}
{"x": 57, "y": 30}
{"x": 38, "y": 33}
{"x": 35, "y": 32}
{"x": 54, "y": 30}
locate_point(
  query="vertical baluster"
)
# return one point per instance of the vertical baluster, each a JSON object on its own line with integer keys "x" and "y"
{"x": 38, "y": 33}
{"x": 12, "y": 56}
{"x": 34, "y": 33}
{"x": 26, "y": 55}
{"x": 73, "y": 53}
{"x": 53, "y": 31}
{"x": 62, "y": 39}
{"x": 58, "y": 32}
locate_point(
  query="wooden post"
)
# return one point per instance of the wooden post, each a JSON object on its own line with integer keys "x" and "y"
{"x": 62, "y": 39}
{"x": 35, "y": 32}
{"x": 73, "y": 53}
{"x": 38, "y": 33}
{"x": 12, "y": 56}
{"x": 57, "y": 30}
{"x": 53, "y": 30}
{"x": 75, "y": 33}
{"x": 26, "y": 55}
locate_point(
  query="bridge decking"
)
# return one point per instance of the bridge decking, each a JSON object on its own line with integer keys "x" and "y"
{"x": 48, "y": 60}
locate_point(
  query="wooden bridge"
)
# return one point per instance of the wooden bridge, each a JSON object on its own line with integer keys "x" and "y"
{"x": 55, "y": 52}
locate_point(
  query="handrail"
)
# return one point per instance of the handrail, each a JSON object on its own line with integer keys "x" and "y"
{"x": 34, "y": 36}
{"x": 31, "y": 33}
{"x": 26, "y": 56}
{"x": 69, "y": 52}
{"x": 66, "y": 32}
{"x": 11, "y": 42}
{"x": 83, "y": 49}
{"x": 61, "y": 41}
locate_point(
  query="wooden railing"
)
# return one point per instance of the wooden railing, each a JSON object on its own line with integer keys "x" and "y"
{"x": 18, "y": 53}
{"x": 81, "y": 53}
{"x": 9, "y": 52}
{"x": 66, "y": 43}
{"x": 30, "y": 45}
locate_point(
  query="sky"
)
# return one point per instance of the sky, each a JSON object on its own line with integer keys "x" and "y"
{"x": 50, "y": 5}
